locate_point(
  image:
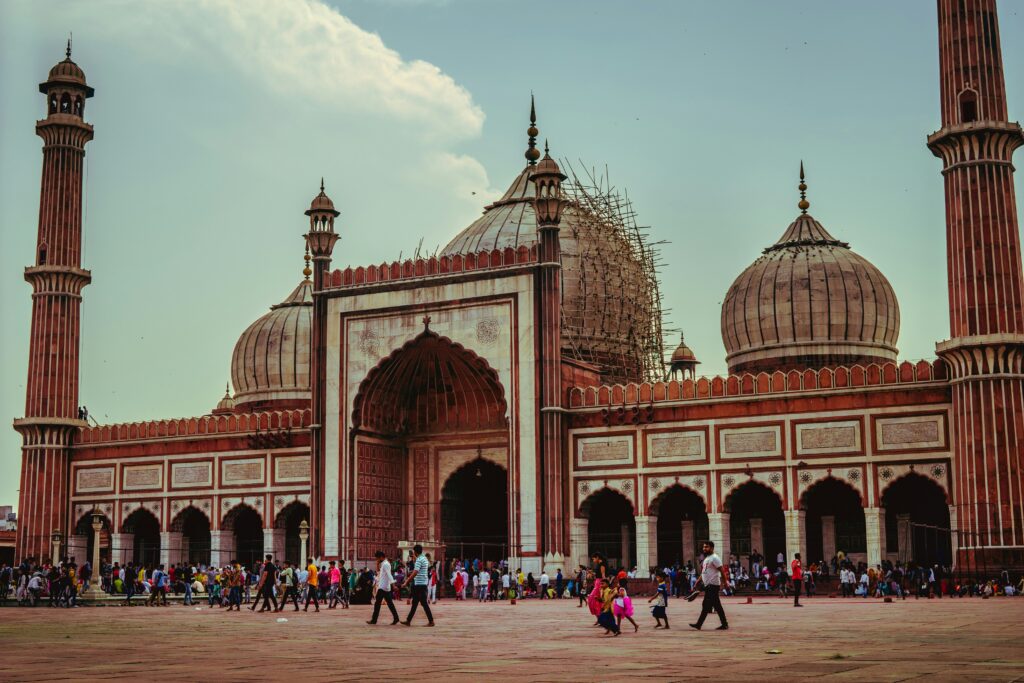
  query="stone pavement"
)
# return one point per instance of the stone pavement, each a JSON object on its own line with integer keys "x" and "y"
{"x": 854, "y": 639}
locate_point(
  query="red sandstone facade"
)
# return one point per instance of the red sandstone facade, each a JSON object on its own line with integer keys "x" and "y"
{"x": 434, "y": 401}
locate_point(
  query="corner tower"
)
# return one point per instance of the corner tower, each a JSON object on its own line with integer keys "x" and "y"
{"x": 985, "y": 352}
{"x": 57, "y": 279}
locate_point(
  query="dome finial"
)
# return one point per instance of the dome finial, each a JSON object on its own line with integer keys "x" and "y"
{"x": 227, "y": 389}
{"x": 803, "y": 203}
{"x": 532, "y": 154}
{"x": 321, "y": 183}
{"x": 306, "y": 272}
{"x": 68, "y": 51}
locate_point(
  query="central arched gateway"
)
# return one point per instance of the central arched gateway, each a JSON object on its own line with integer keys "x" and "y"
{"x": 431, "y": 441}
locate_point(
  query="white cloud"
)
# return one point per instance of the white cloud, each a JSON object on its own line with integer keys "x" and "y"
{"x": 301, "y": 48}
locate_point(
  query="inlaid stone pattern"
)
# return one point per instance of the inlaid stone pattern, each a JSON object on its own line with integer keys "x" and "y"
{"x": 292, "y": 468}
{"x": 747, "y": 441}
{"x": 828, "y": 437}
{"x": 192, "y": 474}
{"x": 281, "y": 502}
{"x": 242, "y": 471}
{"x": 585, "y": 488}
{"x": 609, "y": 451}
{"x": 143, "y": 477}
{"x": 910, "y": 433}
{"x": 94, "y": 479}
{"x": 676, "y": 447}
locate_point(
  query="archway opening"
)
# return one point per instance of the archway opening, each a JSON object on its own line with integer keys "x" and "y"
{"x": 145, "y": 530}
{"x": 430, "y": 387}
{"x": 756, "y": 522}
{"x": 246, "y": 526}
{"x": 289, "y": 520}
{"x": 917, "y": 521}
{"x": 84, "y": 528}
{"x": 682, "y": 525}
{"x": 194, "y": 528}
{"x": 834, "y": 520}
{"x": 474, "y": 512}
{"x": 611, "y": 529}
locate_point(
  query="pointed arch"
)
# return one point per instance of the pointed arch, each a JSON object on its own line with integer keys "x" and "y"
{"x": 428, "y": 385}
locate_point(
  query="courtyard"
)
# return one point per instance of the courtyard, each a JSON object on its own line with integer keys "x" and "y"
{"x": 854, "y": 639}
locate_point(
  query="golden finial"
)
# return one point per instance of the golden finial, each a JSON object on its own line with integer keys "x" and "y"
{"x": 306, "y": 272}
{"x": 532, "y": 153}
{"x": 803, "y": 204}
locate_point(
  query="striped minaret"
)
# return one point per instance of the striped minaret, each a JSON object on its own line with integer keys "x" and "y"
{"x": 57, "y": 278}
{"x": 985, "y": 351}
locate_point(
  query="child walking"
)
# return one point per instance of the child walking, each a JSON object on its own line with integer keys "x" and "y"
{"x": 660, "y": 600}
{"x": 607, "y": 618}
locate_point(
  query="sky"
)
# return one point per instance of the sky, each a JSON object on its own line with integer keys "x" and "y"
{"x": 215, "y": 121}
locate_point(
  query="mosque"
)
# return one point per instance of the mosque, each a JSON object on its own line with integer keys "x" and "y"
{"x": 508, "y": 398}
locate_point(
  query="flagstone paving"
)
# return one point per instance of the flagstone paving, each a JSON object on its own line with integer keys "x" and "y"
{"x": 856, "y": 640}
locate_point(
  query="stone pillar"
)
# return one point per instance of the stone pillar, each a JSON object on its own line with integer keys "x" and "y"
{"x": 627, "y": 543}
{"x": 170, "y": 548}
{"x": 796, "y": 535}
{"x": 719, "y": 533}
{"x": 646, "y": 544}
{"x": 828, "y": 539}
{"x": 122, "y": 548}
{"x": 874, "y": 530}
{"x": 222, "y": 547}
{"x": 756, "y": 536}
{"x": 689, "y": 542}
{"x": 905, "y": 539}
{"x": 273, "y": 542}
{"x": 579, "y": 541}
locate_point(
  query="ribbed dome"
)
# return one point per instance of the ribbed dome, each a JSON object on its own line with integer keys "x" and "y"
{"x": 66, "y": 73}
{"x": 270, "y": 364}
{"x": 602, "y": 277}
{"x": 809, "y": 301}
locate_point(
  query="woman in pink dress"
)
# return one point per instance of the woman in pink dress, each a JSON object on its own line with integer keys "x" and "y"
{"x": 594, "y": 599}
{"x": 622, "y": 608}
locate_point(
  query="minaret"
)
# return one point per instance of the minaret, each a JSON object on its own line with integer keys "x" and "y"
{"x": 57, "y": 278}
{"x": 547, "y": 179}
{"x": 320, "y": 241}
{"x": 985, "y": 352}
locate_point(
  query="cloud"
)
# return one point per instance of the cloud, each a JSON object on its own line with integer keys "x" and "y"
{"x": 300, "y": 48}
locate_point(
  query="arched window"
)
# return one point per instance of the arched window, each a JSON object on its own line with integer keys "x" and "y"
{"x": 968, "y": 106}
{"x": 78, "y": 105}
{"x": 53, "y": 103}
{"x": 65, "y": 104}
{"x": 42, "y": 254}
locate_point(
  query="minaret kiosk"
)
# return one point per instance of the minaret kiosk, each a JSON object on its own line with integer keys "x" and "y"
{"x": 52, "y": 416}
{"x": 985, "y": 351}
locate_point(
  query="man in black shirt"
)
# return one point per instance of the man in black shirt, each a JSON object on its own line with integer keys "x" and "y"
{"x": 269, "y": 583}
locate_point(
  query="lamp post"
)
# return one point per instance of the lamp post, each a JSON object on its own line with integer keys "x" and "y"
{"x": 303, "y": 538}
{"x": 55, "y": 540}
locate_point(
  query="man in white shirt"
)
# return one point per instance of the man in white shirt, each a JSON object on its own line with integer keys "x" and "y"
{"x": 482, "y": 580}
{"x": 506, "y": 583}
{"x": 382, "y": 587}
{"x": 712, "y": 576}
{"x": 545, "y": 581}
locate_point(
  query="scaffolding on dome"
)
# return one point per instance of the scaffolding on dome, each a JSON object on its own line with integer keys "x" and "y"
{"x": 611, "y": 310}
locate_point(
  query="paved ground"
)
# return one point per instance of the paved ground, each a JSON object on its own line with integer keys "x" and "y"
{"x": 857, "y": 640}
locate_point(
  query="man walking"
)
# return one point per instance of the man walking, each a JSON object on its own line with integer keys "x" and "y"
{"x": 545, "y": 581}
{"x": 559, "y": 579}
{"x": 420, "y": 577}
{"x": 269, "y": 583}
{"x": 382, "y": 586}
{"x": 290, "y": 589}
{"x": 798, "y": 578}
{"x": 711, "y": 576}
{"x": 312, "y": 581}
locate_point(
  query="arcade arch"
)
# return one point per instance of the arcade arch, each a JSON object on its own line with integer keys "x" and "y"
{"x": 288, "y": 522}
{"x": 834, "y": 520}
{"x": 246, "y": 527}
{"x": 917, "y": 521}
{"x": 756, "y": 522}
{"x": 682, "y": 525}
{"x": 194, "y": 527}
{"x": 611, "y": 528}
{"x": 474, "y": 511}
{"x": 144, "y": 529}
{"x": 84, "y": 530}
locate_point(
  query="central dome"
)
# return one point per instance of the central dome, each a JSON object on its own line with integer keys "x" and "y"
{"x": 606, "y": 294}
{"x": 270, "y": 363}
{"x": 809, "y": 302}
